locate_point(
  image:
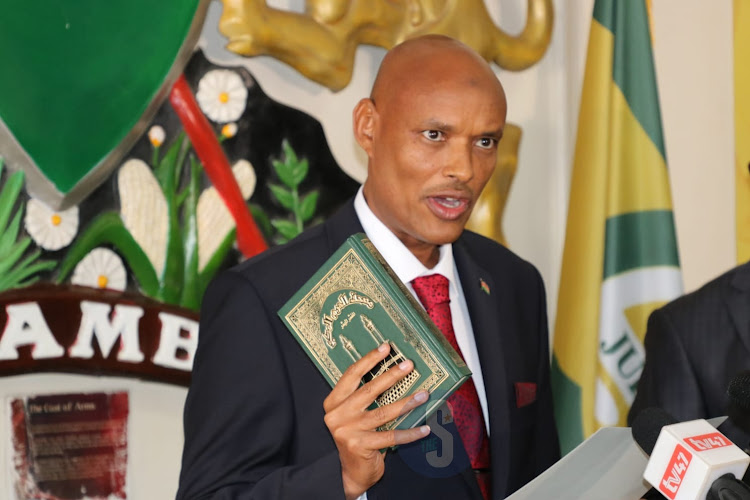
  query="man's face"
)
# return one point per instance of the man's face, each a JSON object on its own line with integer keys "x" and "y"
{"x": 433, "y": 149}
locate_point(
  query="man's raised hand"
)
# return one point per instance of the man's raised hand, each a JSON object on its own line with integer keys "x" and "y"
{"x": 353, "y": 426}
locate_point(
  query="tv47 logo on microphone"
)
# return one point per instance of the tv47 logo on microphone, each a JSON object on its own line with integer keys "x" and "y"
{"x": 707, "y": 442}
{"x": 688, "y": 456}
{"x": 676, "y": 471}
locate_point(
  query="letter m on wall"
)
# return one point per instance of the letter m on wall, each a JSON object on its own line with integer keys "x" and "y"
{"x": 95, "y": 322}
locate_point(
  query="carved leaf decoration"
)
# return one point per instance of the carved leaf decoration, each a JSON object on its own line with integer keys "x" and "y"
{"x": 285, "y": 197}
{"x": 291, "y": 171}
{"x": 307, "y": 206}
{"x": 15, "y": 270}
{"x": 288, "y": 229}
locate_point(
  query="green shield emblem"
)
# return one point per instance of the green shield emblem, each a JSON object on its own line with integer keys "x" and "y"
{"x": 81, "y": 79}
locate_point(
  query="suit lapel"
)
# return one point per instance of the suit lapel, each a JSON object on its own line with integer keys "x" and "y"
{"x": 486, "y": 301}
{"x": 737, "y": 299}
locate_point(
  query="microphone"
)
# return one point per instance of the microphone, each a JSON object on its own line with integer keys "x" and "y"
{"x": 689, "y": 460}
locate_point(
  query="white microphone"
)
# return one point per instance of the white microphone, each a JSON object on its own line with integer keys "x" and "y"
{"x": 687, "y": 458}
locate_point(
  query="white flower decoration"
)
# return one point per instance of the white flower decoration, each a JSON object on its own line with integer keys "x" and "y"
{"x": 222, "y": 95}
{"x": 50, "y": 229}
{"x": 101, "y": 268}
{"x": 156, "y": 135}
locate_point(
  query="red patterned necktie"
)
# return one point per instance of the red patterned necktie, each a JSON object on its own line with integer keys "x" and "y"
{"x": 432, "y": 291}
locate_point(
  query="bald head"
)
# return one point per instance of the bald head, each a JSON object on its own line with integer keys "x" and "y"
{"x": 422, "y": 63}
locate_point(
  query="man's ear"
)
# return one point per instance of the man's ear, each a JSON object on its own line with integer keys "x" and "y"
{"x": 363, "y": 118}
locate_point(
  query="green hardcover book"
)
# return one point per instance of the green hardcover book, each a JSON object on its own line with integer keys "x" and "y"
{"x": 353, "y": 304}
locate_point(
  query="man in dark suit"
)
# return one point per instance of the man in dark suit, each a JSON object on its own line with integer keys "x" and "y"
{"x": 695, "y": 346}
{"x": 261, "y": 421}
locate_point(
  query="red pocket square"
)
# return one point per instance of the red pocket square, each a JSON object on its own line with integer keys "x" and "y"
{"x": 525, "y": 393}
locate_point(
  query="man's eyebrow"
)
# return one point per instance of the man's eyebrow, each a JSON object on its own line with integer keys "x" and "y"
{"x": 435, "y": 124}
{"x": 495, "y": 134}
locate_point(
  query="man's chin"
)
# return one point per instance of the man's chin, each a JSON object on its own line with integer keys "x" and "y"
{"x": 443, "y": 237}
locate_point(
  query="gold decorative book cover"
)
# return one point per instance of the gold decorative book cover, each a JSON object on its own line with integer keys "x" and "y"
{"x": 354, "y": 303}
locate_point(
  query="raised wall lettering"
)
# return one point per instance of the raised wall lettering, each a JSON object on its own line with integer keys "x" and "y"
{"x": 95, "y": 322}
{"x": 26, "y": 326}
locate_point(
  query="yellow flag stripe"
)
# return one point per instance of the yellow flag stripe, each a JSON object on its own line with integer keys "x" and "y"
{"x": 583, "y": 256}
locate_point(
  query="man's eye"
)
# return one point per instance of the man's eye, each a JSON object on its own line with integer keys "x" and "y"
{"x": 486, "y": 142}
{"x": 433, "y": 135}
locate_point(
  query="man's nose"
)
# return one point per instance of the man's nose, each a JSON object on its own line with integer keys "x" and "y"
{"x": 460, "y": 164}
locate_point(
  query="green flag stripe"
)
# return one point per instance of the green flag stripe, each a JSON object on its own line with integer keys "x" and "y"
{"x": 640, "y": 239}
{"x": 633, "y": 67}
{"x": 567, "y": 395}
{"x": 604, "y": 13}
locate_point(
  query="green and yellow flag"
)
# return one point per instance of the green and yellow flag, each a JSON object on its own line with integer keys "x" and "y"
{"x": 620, "y": 260}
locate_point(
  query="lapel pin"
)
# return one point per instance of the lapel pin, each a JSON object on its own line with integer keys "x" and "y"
{"x": 484, "y": 286}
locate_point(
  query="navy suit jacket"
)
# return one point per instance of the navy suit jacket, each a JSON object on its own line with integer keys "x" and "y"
{"x": 253, "y": 418}
{"x": 695, "y": 345}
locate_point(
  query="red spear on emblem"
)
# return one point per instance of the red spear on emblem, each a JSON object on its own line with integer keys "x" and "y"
{"x": 249, "y": 238}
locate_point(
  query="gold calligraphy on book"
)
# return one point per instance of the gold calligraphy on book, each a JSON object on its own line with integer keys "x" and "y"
{"x": 341, "y": 303}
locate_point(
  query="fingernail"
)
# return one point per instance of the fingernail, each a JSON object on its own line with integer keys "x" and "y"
{"x": 383, "y": 347}
{"x": 421, "y": 396}
{"x": 405, "y": 365}
{"x": 425, "y": 429}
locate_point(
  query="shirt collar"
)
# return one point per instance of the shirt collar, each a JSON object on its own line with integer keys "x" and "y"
{"x": 402, "y": 261}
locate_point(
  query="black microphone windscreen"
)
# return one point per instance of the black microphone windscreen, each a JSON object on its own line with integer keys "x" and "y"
{"x": 728, "y": 487}
{"x": 738, "y": 409}
{"x": 647, "y": 426}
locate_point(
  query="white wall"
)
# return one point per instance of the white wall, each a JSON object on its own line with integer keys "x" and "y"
{"x": 693, "y": 43}
{"x": 693, "y": 47}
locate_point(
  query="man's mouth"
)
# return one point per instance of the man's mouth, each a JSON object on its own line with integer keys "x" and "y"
{"x": 448, "y": 207}
{"x": 449, "y": 202}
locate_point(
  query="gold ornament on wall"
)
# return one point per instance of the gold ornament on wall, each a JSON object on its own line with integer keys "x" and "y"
{"x": 487, "y": 217}
{"x": 321, "y": 43}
